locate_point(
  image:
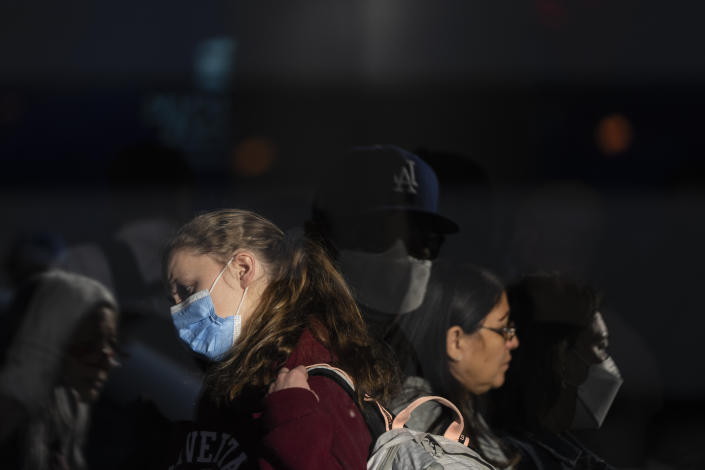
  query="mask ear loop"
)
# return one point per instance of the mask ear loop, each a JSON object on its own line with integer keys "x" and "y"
{"x": 237, "y": 319}
{"x": 220, "y": 274}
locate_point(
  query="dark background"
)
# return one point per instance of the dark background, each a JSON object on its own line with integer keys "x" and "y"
{"x": 566, "y": 135}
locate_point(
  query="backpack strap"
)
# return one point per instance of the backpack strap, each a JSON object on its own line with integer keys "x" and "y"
{"x": 454, "y": 431}
{"x": 338, "y": 375}
{"x": 377, "y": 418}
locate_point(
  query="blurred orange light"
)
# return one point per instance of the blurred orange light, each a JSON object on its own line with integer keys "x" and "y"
{"x": 614, "y": 134}
{"x": 253, "y": 156}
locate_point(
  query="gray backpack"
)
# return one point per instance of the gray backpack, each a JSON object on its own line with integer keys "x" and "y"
{"x": 401, "y": 448}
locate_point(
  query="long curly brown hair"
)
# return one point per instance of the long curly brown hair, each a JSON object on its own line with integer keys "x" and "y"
{"x": 304, "y": 291}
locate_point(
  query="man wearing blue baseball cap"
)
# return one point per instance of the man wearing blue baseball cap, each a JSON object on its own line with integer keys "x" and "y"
{"x": 376, "y": 210}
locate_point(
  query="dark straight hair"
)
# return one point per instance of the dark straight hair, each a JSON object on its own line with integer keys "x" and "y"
{"x": 462, "y": 295}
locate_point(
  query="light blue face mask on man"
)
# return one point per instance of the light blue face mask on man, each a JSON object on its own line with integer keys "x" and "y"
{"x": 201, "y": 329}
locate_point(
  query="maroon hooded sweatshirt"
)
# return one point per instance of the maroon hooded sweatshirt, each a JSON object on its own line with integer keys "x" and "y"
{"x": 290, "y": 429}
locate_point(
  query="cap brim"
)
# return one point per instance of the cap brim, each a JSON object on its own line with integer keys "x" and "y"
{"x": 439, "y": 223}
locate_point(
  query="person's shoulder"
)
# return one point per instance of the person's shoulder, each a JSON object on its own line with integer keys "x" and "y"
{"x": 425, "y": 415}
{"x": 413, "y": 387}
{"x": 328, "y": 390}
{"x": 346, "y": 420}
{"x": 309, "y": 351}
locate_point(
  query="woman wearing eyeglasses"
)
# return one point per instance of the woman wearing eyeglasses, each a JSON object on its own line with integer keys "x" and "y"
{"x": 463, "y": 339}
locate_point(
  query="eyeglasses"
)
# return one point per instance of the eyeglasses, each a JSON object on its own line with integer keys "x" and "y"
{"x": 508, "y": 332}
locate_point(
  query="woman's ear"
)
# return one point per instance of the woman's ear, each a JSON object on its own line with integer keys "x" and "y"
{"x": 454, "y": 342}
{"x": 243, "y": 268}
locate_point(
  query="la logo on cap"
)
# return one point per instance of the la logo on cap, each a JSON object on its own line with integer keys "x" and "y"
{"x": 405, "y": 180}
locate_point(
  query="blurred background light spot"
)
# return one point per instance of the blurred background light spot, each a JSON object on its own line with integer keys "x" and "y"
{"x": 214, "y": 64}
{"x": 614, "y": 134}
{"x": 253, "y": 156}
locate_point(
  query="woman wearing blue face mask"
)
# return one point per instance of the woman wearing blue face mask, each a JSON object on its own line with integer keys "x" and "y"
{"x": 563, "y": 378}
{"x": 262, "y": 305}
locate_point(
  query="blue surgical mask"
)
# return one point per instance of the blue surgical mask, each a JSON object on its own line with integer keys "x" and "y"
{"x": 201, "y": 329}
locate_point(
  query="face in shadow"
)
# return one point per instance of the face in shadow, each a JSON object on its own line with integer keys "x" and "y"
{"x": 572, "y": 365}
{"x": 91, "y": 353}
{"x": 590, "y": 348}
{"x": 376, "y": 233}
